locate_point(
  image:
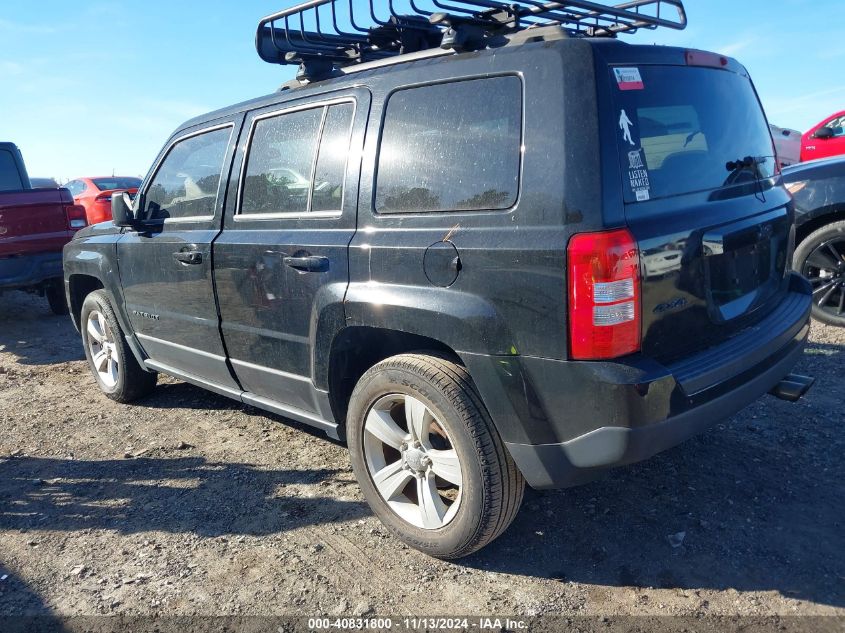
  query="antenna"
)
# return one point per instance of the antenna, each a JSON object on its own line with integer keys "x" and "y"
{"x": 324, "y": 36}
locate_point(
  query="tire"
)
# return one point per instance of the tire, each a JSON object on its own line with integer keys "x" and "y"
{"x": 121, "y": 378}
{"x": 55, "y": 293}
{"x": 816, "y": 259}
{"x": 454, "y": 519}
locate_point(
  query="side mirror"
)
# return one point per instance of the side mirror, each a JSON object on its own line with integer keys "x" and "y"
{"x": 824, "y": 133}
{"x": 121, "y": 210}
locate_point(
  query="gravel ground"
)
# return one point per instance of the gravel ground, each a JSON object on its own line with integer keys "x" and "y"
{"x": 192, "y": 504}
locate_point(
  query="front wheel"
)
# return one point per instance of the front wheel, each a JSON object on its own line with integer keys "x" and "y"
{"x": 820, "y": 257}
{"x": 113, "y": 364}
{"x": 428, "y": 458}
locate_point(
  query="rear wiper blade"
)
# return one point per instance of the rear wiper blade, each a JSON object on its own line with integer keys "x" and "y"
{"x": 751, "y": 163}
{"x": 743, "y": 163}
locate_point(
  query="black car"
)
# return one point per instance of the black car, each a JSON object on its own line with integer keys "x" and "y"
{"x": 819, "y": 191}
{"x": 435, "y": 245}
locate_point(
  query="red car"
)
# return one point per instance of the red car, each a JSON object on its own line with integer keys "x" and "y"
{"x": 825, "y": 140}
{"x": 95, "y": 194}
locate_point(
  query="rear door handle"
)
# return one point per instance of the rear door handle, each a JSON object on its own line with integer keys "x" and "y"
{"x": 188, "y": 257}
{"x": 310, "y": 264}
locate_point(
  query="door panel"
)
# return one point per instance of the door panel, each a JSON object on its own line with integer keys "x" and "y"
{"x": 283, "y": 251}
{"x": 166, "y": 268}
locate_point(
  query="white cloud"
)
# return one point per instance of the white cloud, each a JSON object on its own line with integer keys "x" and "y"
{"x": 10, "y": 68}
{"x": 8, "y": 26}
{"x": 734, "y": 48}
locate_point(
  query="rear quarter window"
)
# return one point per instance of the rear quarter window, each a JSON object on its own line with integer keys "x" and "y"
{"x": 453, "y": 146}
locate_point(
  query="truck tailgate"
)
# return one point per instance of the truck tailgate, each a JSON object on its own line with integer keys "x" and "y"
{"x": 34, "y": 221}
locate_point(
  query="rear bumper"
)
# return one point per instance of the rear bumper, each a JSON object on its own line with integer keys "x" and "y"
{"x": 566, "y": 422}
{"x": 29, "y": 270}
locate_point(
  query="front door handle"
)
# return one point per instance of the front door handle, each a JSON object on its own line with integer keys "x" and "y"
{"x": 310, "y": 264}
{"x": 188, "y": 257}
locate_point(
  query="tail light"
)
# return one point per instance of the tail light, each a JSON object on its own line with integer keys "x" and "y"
{"x": 76, "y": 217}
{"x": 104, "y": 197}
{"x": 605, "y": 298}
{"x": 703, "y": 58}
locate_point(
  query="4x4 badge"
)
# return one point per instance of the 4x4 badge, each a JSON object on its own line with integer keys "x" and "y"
{"x": 674, "y": 304}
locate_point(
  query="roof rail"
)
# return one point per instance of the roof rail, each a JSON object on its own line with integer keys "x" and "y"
{"x": 323, "y": 36}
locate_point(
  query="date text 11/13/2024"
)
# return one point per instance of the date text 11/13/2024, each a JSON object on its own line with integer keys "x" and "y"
{"x": 417, "y": 623}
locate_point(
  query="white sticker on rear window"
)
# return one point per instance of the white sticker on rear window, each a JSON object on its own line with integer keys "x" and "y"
{"x": 629, "y": 78}
{"x": 635, "y": 160}
{"x": 625, "y": 125}
{"x": 638, "y": 176}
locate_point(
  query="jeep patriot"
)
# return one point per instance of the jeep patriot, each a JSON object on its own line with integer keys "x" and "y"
{"x": 482, "y": 249}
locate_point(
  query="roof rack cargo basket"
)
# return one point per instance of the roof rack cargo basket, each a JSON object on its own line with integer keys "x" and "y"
{"x": 323, "y": 36}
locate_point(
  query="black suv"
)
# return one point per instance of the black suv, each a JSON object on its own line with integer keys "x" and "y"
{"x": 483, "y": 255}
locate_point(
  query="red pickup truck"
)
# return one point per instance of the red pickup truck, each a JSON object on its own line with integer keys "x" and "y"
{"x": 34, "y": 226}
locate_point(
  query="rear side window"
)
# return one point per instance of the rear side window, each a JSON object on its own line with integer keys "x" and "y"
{"x": 10, "y": 179}
{"x": 186, "y": 183}
{"x": 330, "y": 171}
{"x": 451, "y": 147}
{"x": 297, "y": 162}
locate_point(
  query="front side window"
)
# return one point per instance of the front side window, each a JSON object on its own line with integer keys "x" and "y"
{"x": 837, "y": 125}
{"x": 451, "y": 147}
{"x": 297, "y": 161}
{"x": 187, "y": 181}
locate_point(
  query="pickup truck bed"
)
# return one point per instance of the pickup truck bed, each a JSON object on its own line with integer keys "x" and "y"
{"x": 35, "y": 224}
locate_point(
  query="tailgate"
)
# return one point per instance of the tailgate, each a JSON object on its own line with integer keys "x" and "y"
{"x": 703, "y": 284}
{"x": 697, "y": 167}
{"x": 33, "y": 221}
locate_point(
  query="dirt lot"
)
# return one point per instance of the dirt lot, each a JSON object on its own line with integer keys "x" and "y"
{"x": 193, "y": 504}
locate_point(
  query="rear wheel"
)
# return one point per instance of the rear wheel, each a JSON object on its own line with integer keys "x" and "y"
{"x": 113, "y": 364}
{"x": 821, "y": 258}
{"x": 428, "y": 458}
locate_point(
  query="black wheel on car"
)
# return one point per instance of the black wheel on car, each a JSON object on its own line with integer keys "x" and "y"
{"x": 113, "y": 364}
{"x": 55, "y": 293}
{"x": 820, "y": 257}
{"x": 427, "y": 456}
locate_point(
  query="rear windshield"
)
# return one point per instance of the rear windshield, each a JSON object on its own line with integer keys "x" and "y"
{"x": 105, "y": 184}
{"x": 10, "y": 179}
{"x": 684, "y": 129}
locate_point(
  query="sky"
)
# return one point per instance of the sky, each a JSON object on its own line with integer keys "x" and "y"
{"x": 98, "y": 86}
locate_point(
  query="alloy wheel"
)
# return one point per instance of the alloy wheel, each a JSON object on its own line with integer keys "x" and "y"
{"x": 825, "y": 268}
{"x": 412, "y": 461}
{"x": 103, "y": 350}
